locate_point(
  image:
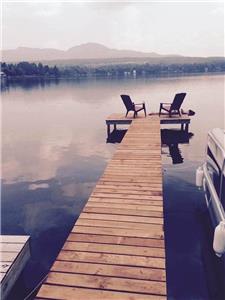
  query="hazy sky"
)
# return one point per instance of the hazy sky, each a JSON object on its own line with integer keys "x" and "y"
{"x": 187, "y": 28}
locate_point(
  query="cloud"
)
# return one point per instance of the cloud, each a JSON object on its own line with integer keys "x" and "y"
{"x": 218, "y": 10}
{"x": 144, "y": 26}
{"x": 48, "y": 10}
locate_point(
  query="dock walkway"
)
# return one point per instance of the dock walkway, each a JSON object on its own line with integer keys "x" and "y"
{"x": 119, "y": 119}
{"x": 14, "y": 254}
{"x": 116, "y": 249}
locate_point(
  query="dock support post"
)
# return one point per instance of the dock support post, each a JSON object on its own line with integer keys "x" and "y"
{"x": 187, "y": 127}
{"x": 182, "y": 126}
{"x": 114, "y": 126}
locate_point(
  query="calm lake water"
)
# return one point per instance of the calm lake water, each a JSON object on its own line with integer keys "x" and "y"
{"x": 54, "y": 150}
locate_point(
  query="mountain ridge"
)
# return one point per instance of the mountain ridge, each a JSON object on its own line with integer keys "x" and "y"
{"x": 82, "y": 51}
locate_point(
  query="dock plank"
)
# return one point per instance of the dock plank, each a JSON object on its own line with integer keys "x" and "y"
{"x": 110, "y": 270}
{"x": 124, "y": 200}
{"x": 153, "y": 233}
{"x": 59, "y": 292}
{"x": 116, "y": 249}
{"x": 18, "y": 239}
{"x": 107, "y": 283}
{"x": 112, "y": 259}
{"x": 127, "y": 212}
{"x": 124, "y": 218}
{"x": 117, "y": 240}
{"x": 118, "y": 224}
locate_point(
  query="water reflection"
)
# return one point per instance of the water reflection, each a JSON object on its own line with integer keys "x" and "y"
{"x": 28, "y": 83}
{"x": 171, "y": 138}
{"x": 54, "y": 151}
{"x": 116, "y": 136}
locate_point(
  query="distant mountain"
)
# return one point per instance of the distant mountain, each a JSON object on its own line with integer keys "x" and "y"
{"x": 98, "y": 51}
{"x": 84, "y": 51}
{"x": 30, "y": 54}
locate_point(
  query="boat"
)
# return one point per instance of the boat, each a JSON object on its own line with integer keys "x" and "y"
{"x": 211, "y": 177}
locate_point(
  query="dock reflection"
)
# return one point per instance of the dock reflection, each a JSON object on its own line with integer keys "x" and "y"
{"x": 171, "y": 138}
{"x": 116, "y": 136}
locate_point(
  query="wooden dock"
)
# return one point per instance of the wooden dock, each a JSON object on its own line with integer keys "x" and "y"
{"x": 14, "y": 254}
{"x": 120, "y": 119}
{"x": 116, "y": 249}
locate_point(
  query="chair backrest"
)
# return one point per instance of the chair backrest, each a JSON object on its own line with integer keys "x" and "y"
{"x": 127, "y": 102}
{"x": 177, "y": 101}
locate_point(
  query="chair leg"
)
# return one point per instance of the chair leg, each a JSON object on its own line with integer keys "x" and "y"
{"x": 135, "y": 114}
{"x": 160, "y": 108}
{"x": 127, "y": 113}
{"x": 144, "y": 109}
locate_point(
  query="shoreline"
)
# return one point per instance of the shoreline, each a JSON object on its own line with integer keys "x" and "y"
{"x": 168, "y": 75}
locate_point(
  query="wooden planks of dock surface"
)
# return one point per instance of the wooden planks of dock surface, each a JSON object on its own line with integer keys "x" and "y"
{"x": 116, "y": 249}
{"x": 14, "y": 254}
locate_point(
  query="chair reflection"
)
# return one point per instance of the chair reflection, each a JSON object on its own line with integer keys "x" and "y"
{"x": 116, "y": 136}
{"x": 171, "y": 138}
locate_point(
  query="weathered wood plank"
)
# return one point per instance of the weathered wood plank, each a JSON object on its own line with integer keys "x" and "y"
{"x": 110, "y": 270}
{"x": 125, "y": 206}
{"x": 68, "y": 293}
{"x": 118, "y": 224}
{"x": 108, "y": 283}
{"x": 136, "y": 219}
{"x": 153, "y": 233}
{"x": 126, "y": 195}
{"x": 4, "y": 267}
{"x": 8, "y": 256}
{"x": 114, "y": 259}
{"x": 117, "y": 240}
{"x": 131, "y": 192}
{"x": 133, "y": 188}
{"x": 127, "y": 201}
{"x": 142, "y": 185}
{"x": 114, "y": 249}
{"x": 13, "y": 239}
{"x": 10, "y": 247}
{"x": 129, "y": 179}
{"x": 127, "y": 212}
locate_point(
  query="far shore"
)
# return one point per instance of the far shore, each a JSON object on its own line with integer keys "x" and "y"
{"x": 90, "y": 77}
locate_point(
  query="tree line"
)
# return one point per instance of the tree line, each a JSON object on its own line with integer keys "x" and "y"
{"x": 29, "y": 69}
{"x": 24, "y": 69}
